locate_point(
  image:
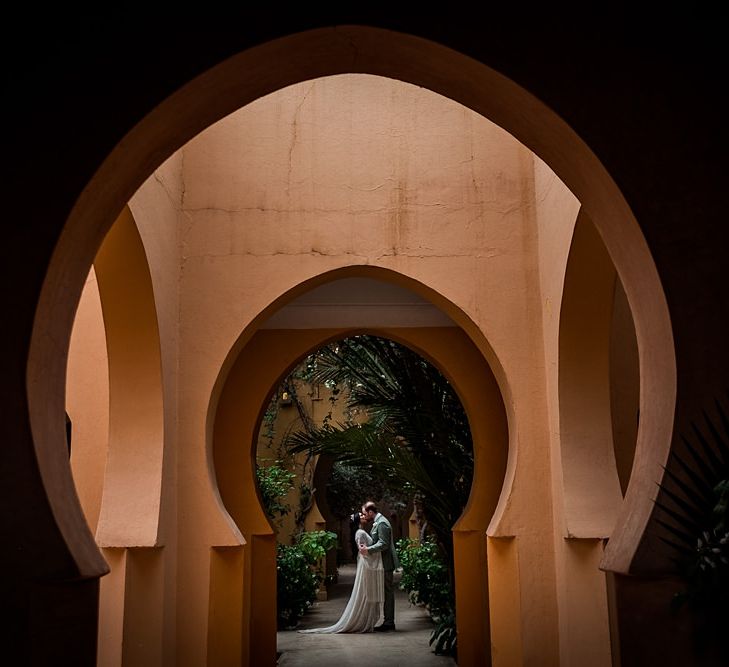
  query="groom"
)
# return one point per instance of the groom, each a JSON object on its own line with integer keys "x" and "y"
{"x": 381, "y": 533}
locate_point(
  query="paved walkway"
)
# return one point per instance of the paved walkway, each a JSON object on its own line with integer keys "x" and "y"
{"x": 408, "y": 645}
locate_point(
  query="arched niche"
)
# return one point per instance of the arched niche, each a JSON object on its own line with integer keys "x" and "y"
{"x": 130, "y": 504}
{"x": 126, "y": 504}
{"x": 592, "y": 495}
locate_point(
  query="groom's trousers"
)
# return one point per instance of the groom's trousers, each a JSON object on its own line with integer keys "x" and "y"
{"x": 389, "y": 606}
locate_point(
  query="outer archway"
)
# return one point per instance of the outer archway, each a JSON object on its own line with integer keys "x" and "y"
{"x": 143, "y": 149}
{"x": 260, "y": 365}
{"x": 247, "y": 76}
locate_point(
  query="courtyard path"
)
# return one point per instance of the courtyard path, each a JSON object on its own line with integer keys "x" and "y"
{"x": 408, "y": 645}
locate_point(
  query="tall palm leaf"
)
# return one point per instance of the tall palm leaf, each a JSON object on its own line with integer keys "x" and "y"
{"x": 694, "y": 512}
{"x": 368, "y": 446}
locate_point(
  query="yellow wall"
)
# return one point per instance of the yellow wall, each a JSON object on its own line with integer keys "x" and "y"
{"x": 317, "y": 406}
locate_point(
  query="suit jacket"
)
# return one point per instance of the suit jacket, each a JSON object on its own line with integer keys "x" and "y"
{"x": 382, "y": 541}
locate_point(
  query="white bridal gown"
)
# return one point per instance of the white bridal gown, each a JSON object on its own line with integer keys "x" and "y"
{"x": 364, "y": 608}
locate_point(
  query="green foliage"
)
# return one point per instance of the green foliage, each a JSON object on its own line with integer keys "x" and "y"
{"x": 348, "y": 485}
{"x": 695, "y": 515}
{"x": 274, "y": 482}
{"x": 443, "y": 638}
{"x": 306, "y": 500}
{"x": 298, "y": 575}
{"x": 415, "y": 439}
{"x": 315, "y": 544}
{"x": 706, "y": 574}
{"x": 425, "y": 577}
{"x": 268, "y": 429}
{"x": 296, "y": 585}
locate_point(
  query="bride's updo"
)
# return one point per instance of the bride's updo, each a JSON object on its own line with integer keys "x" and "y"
{"x": 353, "y": 528}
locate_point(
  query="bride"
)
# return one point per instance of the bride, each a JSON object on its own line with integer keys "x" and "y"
{"x": 364, "y": 608}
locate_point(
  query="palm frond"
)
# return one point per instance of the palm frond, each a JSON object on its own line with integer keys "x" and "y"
{"x": 700, "y": 502}
{"x": 722, "y": 442}
{"x": 365, "y": 445}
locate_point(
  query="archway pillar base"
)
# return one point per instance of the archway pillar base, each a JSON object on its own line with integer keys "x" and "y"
{"x": 472, "y": 597}
{"x": 131, "y": 607}
{"x": 584, "y": 616}
{"x": 242, "y": 610}
{"x": 260, "y": 583}
{"x": 505, "y": 596}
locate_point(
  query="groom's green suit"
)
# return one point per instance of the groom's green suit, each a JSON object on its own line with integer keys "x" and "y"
{"x": 382, "y": 542}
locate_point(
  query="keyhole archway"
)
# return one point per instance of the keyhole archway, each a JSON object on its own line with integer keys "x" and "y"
{"x": 263, "y": 362}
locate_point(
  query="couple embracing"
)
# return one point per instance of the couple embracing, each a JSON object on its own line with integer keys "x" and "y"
{"x": 373, "y": 593}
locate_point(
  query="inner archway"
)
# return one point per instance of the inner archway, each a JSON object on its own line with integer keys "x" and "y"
{"x": 268, "y": 356}
{"x": 399, "y": 425}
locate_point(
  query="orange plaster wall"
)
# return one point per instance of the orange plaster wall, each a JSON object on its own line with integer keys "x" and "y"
{"x": 592, "y": 490}
{"x": 133, "y": 482}
{"x": 156, "y": 207}
{"x": 136, "y": 604}
{"x": 87, "y": 400}
{"x": 556, "y": 212}
{"x": 585, "y": 631}
{"x": 159, "y": 209}
{"x": 506, "y": 618}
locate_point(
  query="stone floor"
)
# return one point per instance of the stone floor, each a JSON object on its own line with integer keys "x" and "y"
{"x": 408, "y": 645}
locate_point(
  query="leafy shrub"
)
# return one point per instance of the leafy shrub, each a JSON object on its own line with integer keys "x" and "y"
{"x": 443, "y": 637}
{"x": 296, "y": 585}
{"x": 298, "y": 574}
{"x": 315, "y": 544}
{"x": 425, "y": 577}
{"x": 274, "y": 482}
